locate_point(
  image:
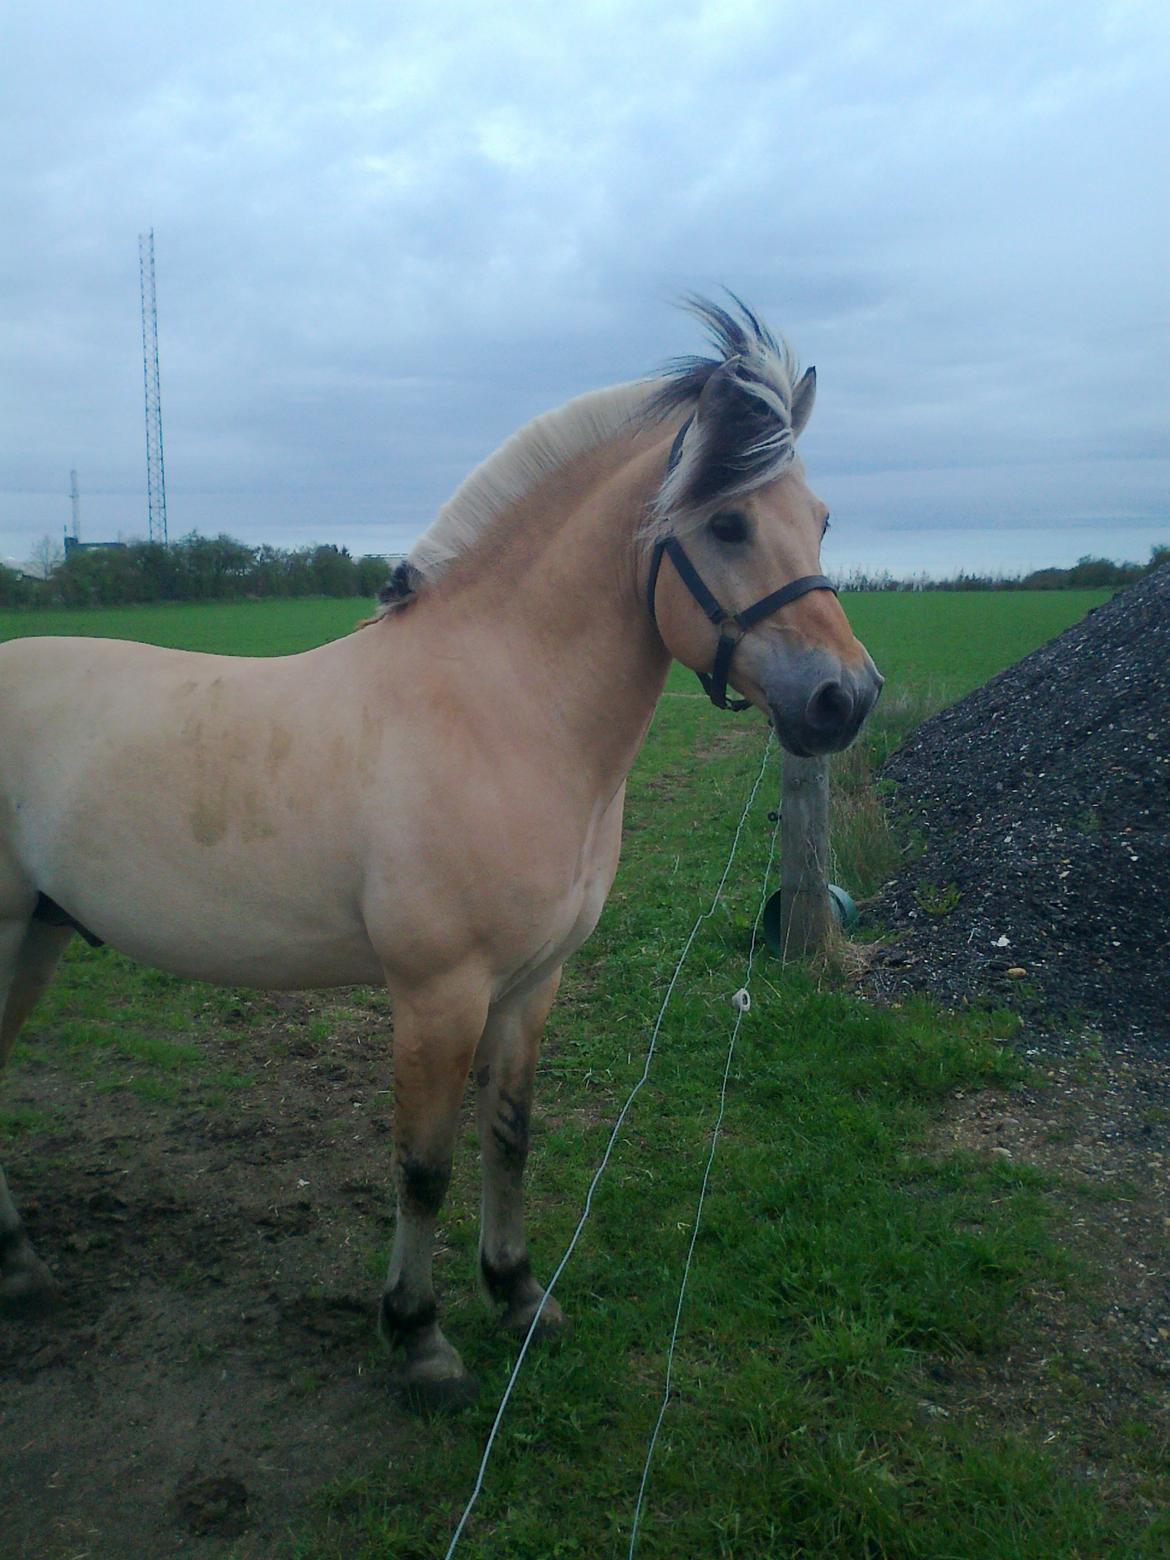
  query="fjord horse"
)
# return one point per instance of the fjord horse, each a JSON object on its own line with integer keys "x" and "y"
{"x": 435, "y": 801}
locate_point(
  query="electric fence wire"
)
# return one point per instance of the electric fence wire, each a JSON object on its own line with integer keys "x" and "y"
{"x": 703, "y": 916}
{"x": 742, "y": 1007}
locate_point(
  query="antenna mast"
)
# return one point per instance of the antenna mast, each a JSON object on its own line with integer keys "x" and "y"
{"x": 75, "y": 505}
{"x": 156, "y": 486}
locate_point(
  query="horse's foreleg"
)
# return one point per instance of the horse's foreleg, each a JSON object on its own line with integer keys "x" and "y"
{"x": 505, "y": 1068}
{"x": 435, "y": 1036}
{"x": 28, "y": 957}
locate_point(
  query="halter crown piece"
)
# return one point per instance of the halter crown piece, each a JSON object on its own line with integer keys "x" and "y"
{"x": 732, "y": 626}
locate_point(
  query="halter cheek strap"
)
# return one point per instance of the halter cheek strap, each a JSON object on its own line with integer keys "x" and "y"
{"x": 732, "y": 626}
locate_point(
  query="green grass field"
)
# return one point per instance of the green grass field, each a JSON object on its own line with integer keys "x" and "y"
{"x": 844, "y": 1266}
{"x": 221, "y": 627}
{"x": 942, "y": 642}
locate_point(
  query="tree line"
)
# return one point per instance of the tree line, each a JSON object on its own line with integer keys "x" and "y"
{"x": 197, "y": 568}
{"x": 1087, "y": 573}
{"x": 219, "y": 568}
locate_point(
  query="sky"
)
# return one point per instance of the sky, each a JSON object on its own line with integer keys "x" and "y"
{"x": 388, "y": 234}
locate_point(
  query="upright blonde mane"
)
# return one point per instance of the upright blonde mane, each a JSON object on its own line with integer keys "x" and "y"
{"x": 519, "y": 465}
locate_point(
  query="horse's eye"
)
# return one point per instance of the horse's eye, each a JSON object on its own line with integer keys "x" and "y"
{"x": 729, "y": 526}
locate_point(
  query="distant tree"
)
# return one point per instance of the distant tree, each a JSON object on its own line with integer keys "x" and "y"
{"x": 1101, "y": 571}
{"x": 1045, "y": 579}
{"x": 15, "y": 589}
{"x": 157, "y": 571}
{"x": 212, "y": 567}
{"x": 45, "y": 558}
{"x": 372, "y": 571}
{"x": 334, "y": 571}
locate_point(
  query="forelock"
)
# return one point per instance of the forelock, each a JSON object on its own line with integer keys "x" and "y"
{"x": 744, "y": 438}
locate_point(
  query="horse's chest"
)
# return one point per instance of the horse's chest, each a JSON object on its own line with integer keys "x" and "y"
{"x": 561, "y": 918}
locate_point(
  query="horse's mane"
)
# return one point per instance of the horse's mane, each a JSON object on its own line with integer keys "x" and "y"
{"x": 521, "y": 462}
{"x": 743, "y": 439}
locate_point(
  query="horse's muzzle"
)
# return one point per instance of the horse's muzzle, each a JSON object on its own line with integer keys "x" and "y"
{"x": 826, "y": 717}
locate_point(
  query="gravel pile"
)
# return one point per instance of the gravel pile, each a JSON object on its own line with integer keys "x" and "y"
{"x": 1042, "y": 805}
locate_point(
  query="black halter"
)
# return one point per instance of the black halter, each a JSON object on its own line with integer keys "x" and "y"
{"x": 732, "y": 626}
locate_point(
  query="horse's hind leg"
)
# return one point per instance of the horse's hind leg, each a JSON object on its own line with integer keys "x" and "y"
{"x": 29, "y": 952}
{"x": 435, "y": 1035}
{"x": 505, "y": 1069}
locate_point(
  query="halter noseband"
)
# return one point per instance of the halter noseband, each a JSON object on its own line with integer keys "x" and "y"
{"x": 715, "y": 681}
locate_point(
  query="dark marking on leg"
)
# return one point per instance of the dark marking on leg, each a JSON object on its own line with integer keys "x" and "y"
{"x": 399, "y": 1325}
{"x": 430, "y": 1376}
{"x": 513, "y": 1114}
{"x": 26, "y": 1285}
{"x": 11, "y": 1240}
{"x": 513, "y": 1156}
{"x": 483, "y": 1077}
{"x": 504, "y": 1283}
{"x": 425, "y": 1185}
{"x": 510, "y": 1133}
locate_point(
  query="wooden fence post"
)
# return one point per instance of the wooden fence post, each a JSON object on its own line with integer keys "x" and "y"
{"x": 806, "y": 915}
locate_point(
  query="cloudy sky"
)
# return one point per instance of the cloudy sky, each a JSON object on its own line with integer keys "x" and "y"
{"x": 389, "y": 233}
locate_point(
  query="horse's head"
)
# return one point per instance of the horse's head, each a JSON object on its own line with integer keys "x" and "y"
{"x": 735, "y": 526}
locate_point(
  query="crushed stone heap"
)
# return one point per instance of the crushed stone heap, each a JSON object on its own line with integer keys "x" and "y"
{"x": 1042, "y": 802}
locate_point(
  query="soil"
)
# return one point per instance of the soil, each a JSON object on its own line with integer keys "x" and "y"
{"x": 1087, "y": 1363}
{"x": 211, "y": 1361}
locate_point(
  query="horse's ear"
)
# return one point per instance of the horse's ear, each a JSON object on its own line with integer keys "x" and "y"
{"x": 401, "y": 586}
{"x": 707, "y": 460}
{"x": 802, "y": 401}
{"x": 716, "y": 392}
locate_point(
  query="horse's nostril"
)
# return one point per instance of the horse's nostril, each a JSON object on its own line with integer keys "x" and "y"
{"x": 829, "y": 708}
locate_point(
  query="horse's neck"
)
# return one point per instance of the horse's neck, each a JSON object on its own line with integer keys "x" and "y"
{"x": 558, "y": 590}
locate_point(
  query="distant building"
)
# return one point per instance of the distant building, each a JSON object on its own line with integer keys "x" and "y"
{"x": 72, "y": 545}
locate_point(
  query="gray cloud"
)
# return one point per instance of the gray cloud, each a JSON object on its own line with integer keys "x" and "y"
{"x": 386, "y": 238}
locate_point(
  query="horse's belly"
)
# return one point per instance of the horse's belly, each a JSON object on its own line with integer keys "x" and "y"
{"x": 253, "y": 937}
{"x": 234, "y": 963}
{"x": 232, "y": 950}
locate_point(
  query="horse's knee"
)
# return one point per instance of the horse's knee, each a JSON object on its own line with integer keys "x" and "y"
{"x": 423, "y": 1184}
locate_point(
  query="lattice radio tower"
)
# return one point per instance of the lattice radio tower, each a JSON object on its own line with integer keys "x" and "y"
{"x": 156, "y": 482}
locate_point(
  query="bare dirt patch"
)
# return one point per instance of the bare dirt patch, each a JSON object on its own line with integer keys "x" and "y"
{"x": 211, "y": 1362}
{"x": 1087, "y": 1371}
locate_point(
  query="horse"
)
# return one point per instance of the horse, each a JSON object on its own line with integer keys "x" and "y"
{"x": 434, "y": 801}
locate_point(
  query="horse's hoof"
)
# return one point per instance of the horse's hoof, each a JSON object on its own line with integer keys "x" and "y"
{"x": 553, "y": 1323}
{"x": 28, "y": 1291}
{"x": 439, "y": 1394}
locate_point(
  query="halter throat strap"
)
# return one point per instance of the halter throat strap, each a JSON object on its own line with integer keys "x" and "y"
{"x": 732, "y": 626}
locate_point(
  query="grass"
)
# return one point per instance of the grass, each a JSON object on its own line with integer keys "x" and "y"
{"x": 943, "y": 642}
{"x": 117, "y": 1026}
{"x": 842, "y": 1267}
{"x": 221, "y": 627}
